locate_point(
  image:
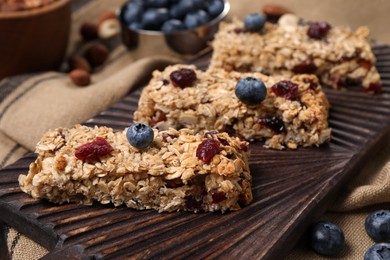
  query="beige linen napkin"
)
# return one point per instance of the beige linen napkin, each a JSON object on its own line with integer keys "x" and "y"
{"x": 44, "y": 101}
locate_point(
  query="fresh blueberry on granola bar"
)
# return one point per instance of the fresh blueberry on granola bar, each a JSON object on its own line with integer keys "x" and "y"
{"x": 140, "y": 135}
{"x": 250, "y": 90}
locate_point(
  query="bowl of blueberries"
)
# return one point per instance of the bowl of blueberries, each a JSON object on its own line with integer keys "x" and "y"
{"x": 182, "y": 27}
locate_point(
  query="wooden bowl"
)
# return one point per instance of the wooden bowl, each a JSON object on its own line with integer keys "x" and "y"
{"x": 34, "y": 40}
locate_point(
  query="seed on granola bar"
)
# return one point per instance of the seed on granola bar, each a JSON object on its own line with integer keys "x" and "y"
{"x": 91, "y": 152}
{"x": 273, "y": 123}
{"x": 286, "y": 89}
{"x": 207, "y": 149}
{"x": 183, "y": 77}
{"x": 250, "y": 91}
{"x": 318, "y": 30}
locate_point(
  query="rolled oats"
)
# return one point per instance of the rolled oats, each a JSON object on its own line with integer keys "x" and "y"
{"x": 343, "y": 58}
{"x": 211, "y": 104}
{"x": 167, "y": 176}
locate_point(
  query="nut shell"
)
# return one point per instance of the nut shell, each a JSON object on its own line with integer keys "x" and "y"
{"x": 80, "y": 77}
{"x": 274, "y": 11}
{"x": 79, "y": 62}
{"x": 89, "y": 31}
{"x": 96, "y": 54}
{"x": 109, "y": 28}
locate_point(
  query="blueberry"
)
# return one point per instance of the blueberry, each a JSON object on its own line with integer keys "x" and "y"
{"x": 172, "y": 25}
{"x": 195, "y": 19}
{"x": 250, "y": 91}
{"x": 377, "y": 225}
{"x": 215, "y": 7}
{"x": 380, "y": 251}
{"x": 177, "y": 12}
{"x": 133, "y": 11}
{"x": 156, "y": 3}
{"x": 140, "y": 135}
{"x": 191, "y": 21}
{"x": 183, "y": 7}
{"x": 153, "y": 19}
{"x": 326, "y": 238}
{"x": 203, "y": 16}
{"x": 254, "y": 22}
{"x": 135, "y": 26}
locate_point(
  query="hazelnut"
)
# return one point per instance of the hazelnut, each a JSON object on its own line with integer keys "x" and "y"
{"x": 80, "y": 77}
{"x": 289, "y": 22}
{"x": 78, "y": 62}
{"x": 109, "y": 28}
{"x": 96, "y": 54}
{"x": 106, "y": 16}
{"x": 274, "y": 11}
{"x": 89, "y": 31}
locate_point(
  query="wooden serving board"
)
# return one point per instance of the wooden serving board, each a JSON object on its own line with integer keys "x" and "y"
{"x": 290, "y": 189}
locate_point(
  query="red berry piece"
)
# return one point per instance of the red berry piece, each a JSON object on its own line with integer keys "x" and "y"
{"x": 183, "y": 77}
{"x": 218, "y": 196}
{"x": 286, "y": 89}
{"x": 376, "y": 88}
{"x": 92, "y": 151}
{"x": 207, "y": 149}
{"x": 305, "y": 67}
{"x": 273, "y": 123}
{"x": 318, "y": 30}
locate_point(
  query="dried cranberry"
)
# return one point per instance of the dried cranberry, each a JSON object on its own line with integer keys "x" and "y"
{"x": 365, "y": 64}
{"x": 318, "y": 30}
{"x": 273, "y": 123}
{"x": 286, "y": 89}
{"x": 207, "y": 149}
{"x": 244, "y": 147}
{"x": 218, "y": 196}
{"x": 313, "y": 85}
{"x": 183, "y": 77}
{"x": 223, "y": 142}
{"x": 305, "y": 67}
{"x": 376, "y": 88}
{"x": 92, "y": 151}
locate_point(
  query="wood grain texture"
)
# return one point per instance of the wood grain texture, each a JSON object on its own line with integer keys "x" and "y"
{"x": 290, "y": 189}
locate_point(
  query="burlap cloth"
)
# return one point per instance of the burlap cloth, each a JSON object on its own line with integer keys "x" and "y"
{"x": 32, "y": 104}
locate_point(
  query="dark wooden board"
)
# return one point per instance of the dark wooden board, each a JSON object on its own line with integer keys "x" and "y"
{"x": 290, "y": 189}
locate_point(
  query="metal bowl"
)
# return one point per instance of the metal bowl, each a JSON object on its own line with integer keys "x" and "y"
{"x": 184, "y": 42}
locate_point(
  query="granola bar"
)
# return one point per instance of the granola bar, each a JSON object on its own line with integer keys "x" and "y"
{"x": 166, "y": 176}
{"x": 341, "y": 59}
{"x": 211, "y": 103}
